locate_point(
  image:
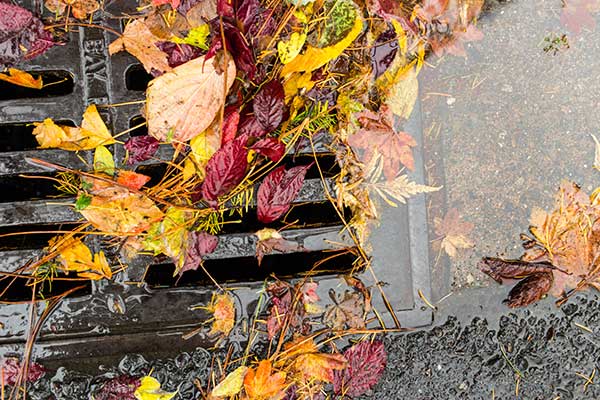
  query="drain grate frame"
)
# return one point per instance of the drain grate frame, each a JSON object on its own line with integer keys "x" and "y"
{"x": 117, "y": 317}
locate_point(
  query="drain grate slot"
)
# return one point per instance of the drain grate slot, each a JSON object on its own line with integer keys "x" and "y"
{"x": 246, "y": 269}
{"x": 140, "y": 130}
{"x": 21, "y": 290}
{"x": 18, "y": 238}
{"x": 56, "y": 83}
{"x": 136, "y": 78}
{"x": 21, "y": 188}
{"x": 19, "y": 136}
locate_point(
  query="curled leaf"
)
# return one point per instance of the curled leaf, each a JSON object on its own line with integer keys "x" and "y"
{"x": 75, "y": 256}
{"x": 223, "y": 309}
{"x": 499, "y": 269}
{"x": 270, "y": 147}
{"x": 530, "y": 289}
{"x": 199, "y": 244}
{"x": 289, "y": 49}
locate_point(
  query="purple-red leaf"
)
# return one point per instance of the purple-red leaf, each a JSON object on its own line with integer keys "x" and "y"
{"x": 11, "y": 369}
{"x": 278, "y": 190}
{"x": 225, "y": 170}
{"x": 22, "y": 36}
{"x": 366, "y": 363}
{"x": 199, "y": 245}
{"x": 268, "y": 105}
{"x": 270, "y": 147}
{"x": 141, "y": 148}
{"x": 247, "y": 12}
{"x": 236, "y": 44}
{"x": 250, "y": 126}
{"x": 178, "y": 54}
{"x": 225, "y": 8}
{"x": 230, "y": 124}
{"x": 120, "y": 388}
{"x": 530, "y": 289}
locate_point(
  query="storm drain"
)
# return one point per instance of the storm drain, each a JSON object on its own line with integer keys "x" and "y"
{"x": 146, "y": 310}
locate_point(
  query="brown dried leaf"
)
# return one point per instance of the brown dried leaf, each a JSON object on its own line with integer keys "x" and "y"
{"x": 350, "y": 312}
{"x": 184, "y": 102}
{"x": 139, "y": 41}
{"x": 499, "y": 269}
{"x": 530, "y": 289}
{"x": 453, "y": 232}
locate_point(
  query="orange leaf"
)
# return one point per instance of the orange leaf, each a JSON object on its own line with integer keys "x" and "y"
{"x": 223, "y": 310}
{"x": 75, "y": 256}
{"x": 260, "y": 384}
{"x": 21, "y": 78}
{"x": 311, "y": 364}
{"x": 132, "y": 180}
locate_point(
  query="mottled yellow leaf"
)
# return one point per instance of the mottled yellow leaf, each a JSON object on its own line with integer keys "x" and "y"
{"x": 289, "y": 49}
{"x": 75, "y": 256}
{"x": 103, "y": 161}
{"x": 232, "y": 384}
{"x": 149, "y": 389}
{"x": 403, "y": 94}
{"x": 315, "y": 57}
{"x": 21, "y": 78}
{"x": 182, "y": 103}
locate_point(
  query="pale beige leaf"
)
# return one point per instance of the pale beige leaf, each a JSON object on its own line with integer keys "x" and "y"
{"x": 403, "y": 94}
{"x": 400, "y": 189}
{"x": 139, "y": 41}
{"x": 184, "y": 102}
{"x": 596, "y": 153}
{"x": 232, "y": 384}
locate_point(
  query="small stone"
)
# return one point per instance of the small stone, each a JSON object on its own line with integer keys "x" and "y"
{"x": 450, "y": 100}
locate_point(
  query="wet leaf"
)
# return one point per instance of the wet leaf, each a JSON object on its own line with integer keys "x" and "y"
{"x": 289, "y": 49}
{"x": 530, "y": 289}
{"x": 232, "y": 384}
{"x": 122, "y": 387}
{"x": 268, "y": 105}
{"x": 222, "y": 308}
{"x": 270, "y": 147}
{"x": 576, "y": 15}
{"x": 141, "y": 43}
{"x": 231, "y": 121}
{"x": 453, "y": 232}
{"x": 103, "y": 161}
{"x": 93, "y": 133}
{"x": 261, "y": 383}
{"x": 315, "y": 57}
{"x": 174, "y": 3}
{"x": 132, "y": 180}
{"x": 83, "y": 200}
{"x": 149, "y": 389}
{"x": 22, "y": 35}
{"x": 204, "y": 146}
{"x": 280, "y": 295}
{"x": 21, "y": 78}
{"x": 225, "y": 170}
{"x": 403, "y": 95}
{"x": 278, "y": 190}
{"x": 270, "y": 240}
{"x": 310, "y": 363}
{"x": 383, "y": 52}
{"x": 366, "y": 364}
{"x": 430, "y": 10}
{"x": 236, "y": 44}
{"x": 141, "y": 148}
{"x": 75, "y": 256}
{"x": 499, "y": 269}
{"x": 199, "y": 244}
{"x": 196, "y": 37}
{"x": 184, "y": 102}
{"x": 399, "y": 189}
{"x": 178, "y": 54}
{"x": 80, "y": 9}
{"x": 11, "y": 369}
{"x": 346, "y": 312}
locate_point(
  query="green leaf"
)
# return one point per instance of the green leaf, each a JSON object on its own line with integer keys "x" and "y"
{"x": 103, "y": 161}
{"x": 196, "y": 37}
{"x": 83, "y": 201}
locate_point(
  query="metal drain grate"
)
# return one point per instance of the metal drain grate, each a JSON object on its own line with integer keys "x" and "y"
{"x": 108, "y": 319}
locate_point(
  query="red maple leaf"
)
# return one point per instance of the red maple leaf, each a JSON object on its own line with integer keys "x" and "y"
{"x": 378, "y": 136}
{"x": 366, "y": 363}
{"x": 577, "y": 15}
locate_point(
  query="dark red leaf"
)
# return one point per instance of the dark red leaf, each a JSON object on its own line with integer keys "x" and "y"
{"x": 530, "y": 289}
{"x": 278, "y": 190}
{"x": 366, "y": 363}
{"x": 499, "y": 269}
{"x": 250, "y": 126}
{"x": 225, "y": 170}
{"x": 225, "y": 8}
{"x": 141, "y": 148}
{"x": 11, "y": 368}
{"x": 174, "y": 3}
{"x": 384, "y": 52}
{"x": 120, "y": 388}
{"x": 268, "y": 105}
{"x": 270, "y": 147}
{"x": 247, "y": 13}
{"x": 280, "y": 294}
{"x": 236, "y": 44}
{"x": 22, "y": 35}
{"x": 178, "y": 53}
{"x": 199, "y": 245}
{"x": 230, "y": 124}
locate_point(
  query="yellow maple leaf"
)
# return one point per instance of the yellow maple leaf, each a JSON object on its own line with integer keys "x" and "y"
{"x": 149, "y": 389}
{"x": 93, "y": 133}
{"x": 22, "y": 78}
{"x": 232, "y": 384}
{"x": 315, "y": 57}
{"x": 75, "y": 256}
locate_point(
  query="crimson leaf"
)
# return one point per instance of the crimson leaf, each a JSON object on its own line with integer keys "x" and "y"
{"x": 225, "y": 170}
{"x": 278, "y": 190}
{"x": 22, "y": 36}
{"x": 250, "y": 126}
{"x": 11, "y": 369}
{"x": 236, "y": 44}
{"x": 120, "y": 388}
{"x": 366, "y": 363}
{"x": 270, "y": 147}
{"x": 178, "y": 53}
{"x": 268, "y": 105}
{"x": 199, "y": 245}
{"x": 230, "y": 124}
{"x": 141, "y": 148}
{"x": 247, "y": 13}
{"x": 225, "y": 8}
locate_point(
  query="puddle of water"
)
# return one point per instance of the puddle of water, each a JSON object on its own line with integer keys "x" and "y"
{"x": 505, "y": 124}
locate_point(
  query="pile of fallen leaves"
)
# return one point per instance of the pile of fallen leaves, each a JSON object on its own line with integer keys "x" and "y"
{"x": 238, "y": 85}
